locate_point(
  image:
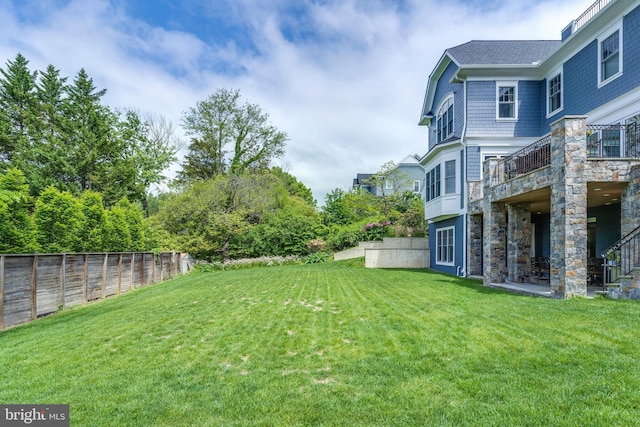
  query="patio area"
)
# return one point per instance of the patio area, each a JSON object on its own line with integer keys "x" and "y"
{"x": 539, "y": 289}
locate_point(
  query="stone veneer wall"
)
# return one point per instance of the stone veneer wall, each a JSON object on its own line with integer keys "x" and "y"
{"x": 494, "y": 230}
{"x": 568, "y": 207}
{"x": 474, "y": 245}
{"x": 567, "y": 178}
{"x": 519, "y": 242}
{"x": 630, "y": 203}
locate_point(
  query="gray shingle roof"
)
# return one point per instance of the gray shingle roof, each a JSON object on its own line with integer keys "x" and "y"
{"x": 503, "y": 52}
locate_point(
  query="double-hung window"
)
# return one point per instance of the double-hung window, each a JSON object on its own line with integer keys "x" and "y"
{"x": 507, "y": 95}
{"x": 450, "y": 177}
{"x": 444, "y": 123}
{"x": 554, "y": 93}
{"x": 611, "y": 142}
{"x": 445, "y": 246}
{"x": 416, "y": 186}
{"x": 610, "y": 56}
{"x": 433, "y": 183}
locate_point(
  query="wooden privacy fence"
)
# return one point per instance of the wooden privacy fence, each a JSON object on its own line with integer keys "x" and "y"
{"x": 36, "y": 285}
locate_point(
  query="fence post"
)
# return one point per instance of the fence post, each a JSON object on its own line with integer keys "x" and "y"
{"x": 104, "y": 275}
{"x": 1, "y": 292}
{"x": 142, "y": 271}
{"x": 133, "y": 272}
{"x": 84, "y": 279}
{"x": 34, "y": 269}
{"x": 119, "y": 272}
{"x": 63, "y": 279}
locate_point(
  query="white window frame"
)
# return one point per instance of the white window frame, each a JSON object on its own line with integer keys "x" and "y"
{"x": 388, "y": 184}
{"x": 442, "y": 129}
{"x": 449, "y": 249}
{"x": 507, "y": 84}
{"x": 416, "y": 186}
{"x": 604, "y": 36}
{"x": 552, "y": 76}
{"x": 433, "y": 188}
{"x": 448, "y": 178}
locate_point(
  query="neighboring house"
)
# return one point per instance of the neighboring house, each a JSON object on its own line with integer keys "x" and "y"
{"x": 408, "y": 175}
{"x": 533, "y": 151}
{"x": 362, "y": 182}
{"x": 412, "y": 173}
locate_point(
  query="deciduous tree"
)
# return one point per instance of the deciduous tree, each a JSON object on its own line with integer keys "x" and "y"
{"x": 228, "y": 137}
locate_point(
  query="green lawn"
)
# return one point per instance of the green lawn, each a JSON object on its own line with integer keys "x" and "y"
{"x": 330, "y": 344}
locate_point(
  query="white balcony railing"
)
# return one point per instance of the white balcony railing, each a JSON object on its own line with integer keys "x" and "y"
{"x": 589, "y": 13}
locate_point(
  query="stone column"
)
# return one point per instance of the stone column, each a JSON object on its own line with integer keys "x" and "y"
{"x": 494, "y": 227}
{"x": 495, "y": 240}
{"x": 568, "y": 207}
{"x": 519, "y": 241}
{"x": 630, "y": 203}
{"x": 474, "y": 246}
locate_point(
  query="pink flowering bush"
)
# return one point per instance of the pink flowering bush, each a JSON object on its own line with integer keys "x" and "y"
{"x": 376, "y": 230}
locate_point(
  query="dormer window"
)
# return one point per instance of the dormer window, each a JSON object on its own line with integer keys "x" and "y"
{"x": 445, "y": 120}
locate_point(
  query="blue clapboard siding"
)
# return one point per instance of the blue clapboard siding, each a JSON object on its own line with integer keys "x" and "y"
{"x": 481, "y": 110}
{"x": 580, "y": 73}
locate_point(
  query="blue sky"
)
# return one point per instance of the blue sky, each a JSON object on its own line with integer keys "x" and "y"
{"x": 345, "y": 79}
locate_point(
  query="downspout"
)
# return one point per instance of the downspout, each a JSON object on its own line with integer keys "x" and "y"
{"x": 465, "y": 195}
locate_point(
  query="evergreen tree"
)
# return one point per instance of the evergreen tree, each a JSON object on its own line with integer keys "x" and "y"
{"x": 94, "y": 224}
{"x": 89, "y": 127}
{"x": 53, "y": 164}
{"x": 58, "y": 219}
{"x": 117, "y": 235}
{"x": 135, "y": 224}
{"x": 18, "y": 104}
{"x": 17, "y": 234}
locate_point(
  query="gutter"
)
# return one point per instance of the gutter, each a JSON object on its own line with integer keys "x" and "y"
{"x": 464, "y": 189}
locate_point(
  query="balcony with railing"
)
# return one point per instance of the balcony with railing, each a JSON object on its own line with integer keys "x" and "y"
{"x": 589, "y": 13}
{"x": 615, "y": 141}
{"x": 528, "y": 159}
{"x": 585, "y": 17}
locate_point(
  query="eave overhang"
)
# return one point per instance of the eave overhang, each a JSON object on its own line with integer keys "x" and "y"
{"x": 438, "y": 148}
{"x": 427, "y": 106}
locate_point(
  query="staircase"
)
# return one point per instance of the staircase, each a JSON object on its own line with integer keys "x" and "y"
{"x": 621, "y": 275}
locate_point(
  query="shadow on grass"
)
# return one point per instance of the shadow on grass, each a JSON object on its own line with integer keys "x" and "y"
{"x": 437, "y": 276}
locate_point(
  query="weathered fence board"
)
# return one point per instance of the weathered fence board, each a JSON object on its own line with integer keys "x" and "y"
{"x": 49, "y": 280}
{"x": 94, "y": 276}
{"x": 149, "y": 266}
{"x": 17, "y": 298}
{"x": 37, "y": 285}
{"x": 112, "y": 275}
{"x": 74, "y": 280}
{"x": 126, "y": 284}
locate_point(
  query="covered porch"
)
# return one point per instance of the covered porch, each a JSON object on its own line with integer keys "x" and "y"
{"x": 567, "y": 209}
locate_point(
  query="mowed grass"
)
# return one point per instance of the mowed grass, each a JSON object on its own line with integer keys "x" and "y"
{"x": 330, "y": 344}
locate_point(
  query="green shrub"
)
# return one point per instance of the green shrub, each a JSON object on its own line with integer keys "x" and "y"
{"x": 316, "y": 257}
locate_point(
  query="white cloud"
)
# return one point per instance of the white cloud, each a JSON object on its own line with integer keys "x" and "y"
{"x": 345, "y": 80}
